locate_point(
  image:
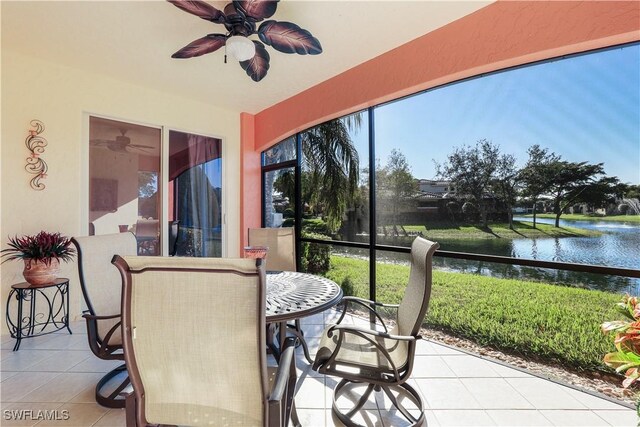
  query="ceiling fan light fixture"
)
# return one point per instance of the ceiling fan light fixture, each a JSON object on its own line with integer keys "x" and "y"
{"x": 241, "y": 48}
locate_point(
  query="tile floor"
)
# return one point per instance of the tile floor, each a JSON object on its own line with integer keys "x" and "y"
{"x": 58, "y": 372}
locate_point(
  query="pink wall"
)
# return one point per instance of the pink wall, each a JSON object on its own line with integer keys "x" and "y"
{"x": 250, "y": 179}
{"x": 503, "y": 34}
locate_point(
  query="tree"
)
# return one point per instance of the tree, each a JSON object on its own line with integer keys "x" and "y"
{"x": 631, "y": 191}
{"x": 329, "y": 171}
{"x": 396, "y": 183}
{"x": 506, "y": 182}
{"x": 569, "y": 180}
{"x": 285, "y": 183}
{"x": 599, "y": 194}
{"x": 537, "y": 175}
{"x": 331, "y": 168}
{"x": 471, "y": 172}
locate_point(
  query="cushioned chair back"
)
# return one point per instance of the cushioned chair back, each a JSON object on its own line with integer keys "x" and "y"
{"x": 281, "y": 242}
{"x": 99, "y": 279}
{"x": 415, "y": 302}
{"x": 194, "y": 339}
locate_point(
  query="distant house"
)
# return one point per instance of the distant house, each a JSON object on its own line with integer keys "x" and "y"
{"x": 436, "y": 188}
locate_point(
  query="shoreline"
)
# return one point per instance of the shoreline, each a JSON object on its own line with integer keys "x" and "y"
{"x": 497, "y": 231}
{"x": 623, "y": 219}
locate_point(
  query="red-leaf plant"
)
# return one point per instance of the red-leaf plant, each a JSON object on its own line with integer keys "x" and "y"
{"x": 43, "y": 247}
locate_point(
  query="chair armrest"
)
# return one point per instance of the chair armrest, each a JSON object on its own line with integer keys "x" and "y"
{"x": 366, "y": 301}
{"x": 377, "y": 334}
{"x": 101, "y": 347}
{"x": 369, "y": 336}
{"x": 287, "y": 358}
{"x": 89, "y": 316}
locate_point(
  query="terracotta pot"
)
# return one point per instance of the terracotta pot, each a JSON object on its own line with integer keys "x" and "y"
{"x": 39, "y": 273}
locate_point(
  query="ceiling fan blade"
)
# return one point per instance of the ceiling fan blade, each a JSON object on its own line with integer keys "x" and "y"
{"x": 206, "y": 44}
{"x": 101, "y": 141}
{"x": 200, "y": 9}
{"x": 257, "y": 66}
{"x": 256, "y": 10}
{"x": 142, "y": 147}
{"x": 288, "y": 38}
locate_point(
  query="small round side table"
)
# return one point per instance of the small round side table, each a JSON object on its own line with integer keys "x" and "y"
{"x": 55, "y": 315}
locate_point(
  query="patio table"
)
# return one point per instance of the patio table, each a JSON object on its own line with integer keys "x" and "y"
{"x": 292, "y": 295}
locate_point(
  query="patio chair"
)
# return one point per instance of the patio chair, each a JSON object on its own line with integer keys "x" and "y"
{"x": 101, "y": 288}
{"x": 147, "y": 233}
{"x": 173, "y": 237}
{"x": 194, "y": 333}
{"x": 281, "y": 256}
{"x": 383, "y": 360}
{"x": 281, "y": 242}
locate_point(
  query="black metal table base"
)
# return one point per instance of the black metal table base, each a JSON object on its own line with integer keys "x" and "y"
{"x": 53, "y": 317}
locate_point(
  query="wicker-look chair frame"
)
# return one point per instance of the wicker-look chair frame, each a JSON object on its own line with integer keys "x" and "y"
{"x": 388, "y": 373}
{"x": 100, "y": 343}
{"x": 278, "y": 405}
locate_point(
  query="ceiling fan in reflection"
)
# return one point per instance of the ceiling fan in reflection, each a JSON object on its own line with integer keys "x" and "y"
{"x": 121, "y": 144}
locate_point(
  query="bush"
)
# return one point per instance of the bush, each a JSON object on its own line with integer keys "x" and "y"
{"x": 316, "y": 259}
{"x": 315, "y": 225}
{"x": 347, "y": 286}
{"x": 289, "y": 222}
{"x": 289, "y": 213}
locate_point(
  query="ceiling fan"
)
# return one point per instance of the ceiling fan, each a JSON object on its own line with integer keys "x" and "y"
{"x": 122, "y": 144}
{"x": 239, "y": 18}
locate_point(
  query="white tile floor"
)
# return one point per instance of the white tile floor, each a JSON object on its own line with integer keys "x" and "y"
{"x": 58, "y": 372}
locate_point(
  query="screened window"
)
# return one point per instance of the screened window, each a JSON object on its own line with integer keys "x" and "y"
{"x": 536, "y": 163}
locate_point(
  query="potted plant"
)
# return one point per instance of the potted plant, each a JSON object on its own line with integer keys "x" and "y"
{"x": 626, "y": 358}
{"x": 41, "y": 255}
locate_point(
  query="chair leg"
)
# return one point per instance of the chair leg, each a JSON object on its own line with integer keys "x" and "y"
{"x": 115, "y": 399}
{"x": 414, "y": 397}
{"x": 346, "y": 418}
{"x": 130, "y": 410}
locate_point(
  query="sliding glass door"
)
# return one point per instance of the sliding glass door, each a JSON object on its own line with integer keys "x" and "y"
{"x": 124, "y": 177}
{"x": 195, "y": 195}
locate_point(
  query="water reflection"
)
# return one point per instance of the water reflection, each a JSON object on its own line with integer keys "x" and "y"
{"x": 617, "y": 246}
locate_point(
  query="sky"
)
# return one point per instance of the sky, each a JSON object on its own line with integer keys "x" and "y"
{"x": 584, "y": 108}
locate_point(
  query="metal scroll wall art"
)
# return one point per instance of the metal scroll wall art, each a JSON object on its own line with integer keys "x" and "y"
{"x": 35, "y": 164}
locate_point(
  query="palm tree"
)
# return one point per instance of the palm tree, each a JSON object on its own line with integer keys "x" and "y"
{"x": 331, "y": 168}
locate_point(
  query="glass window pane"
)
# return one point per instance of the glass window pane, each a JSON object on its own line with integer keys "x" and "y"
{"x": 124, "y": 171}
{"x": 392, "y": 276}
{"x": 348, "y": 267}
{"x": 280, "y": 202}
{"x": 281, "y": 152}
{"x": 195, "y": 194}
{"x": 528, "y": 163}
{"x": 335, "y": 183}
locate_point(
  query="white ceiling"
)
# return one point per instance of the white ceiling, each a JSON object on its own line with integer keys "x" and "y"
{"x": 133, "y": 41}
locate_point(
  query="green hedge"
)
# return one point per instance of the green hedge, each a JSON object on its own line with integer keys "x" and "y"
{"x": 315, "y": 259}
{"x": 552, "y": 322}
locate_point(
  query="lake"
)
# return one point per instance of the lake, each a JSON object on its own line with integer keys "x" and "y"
{"x": 618, "y": 246}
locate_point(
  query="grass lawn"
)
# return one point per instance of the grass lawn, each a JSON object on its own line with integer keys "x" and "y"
{"x": 581, "y": 217}
{"x": 553, "y": 322}
{"x": 522, "y": 230}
